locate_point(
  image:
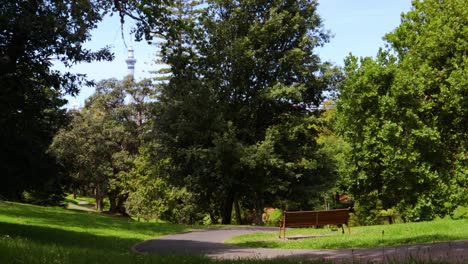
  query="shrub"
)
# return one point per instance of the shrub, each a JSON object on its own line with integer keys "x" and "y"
{"x": 273, "y": 217}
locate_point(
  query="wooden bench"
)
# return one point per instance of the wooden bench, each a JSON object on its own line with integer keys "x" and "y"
{"x": 314, "y": 218}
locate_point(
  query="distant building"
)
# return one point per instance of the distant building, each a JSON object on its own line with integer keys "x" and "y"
{"x": 130, "y": 62}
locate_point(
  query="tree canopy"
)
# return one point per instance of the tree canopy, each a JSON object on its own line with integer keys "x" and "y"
{"x": 102, "y": 141}
{"x": 239, "y": 120}
{"x": 235, "y": 118}
{"x": 405, "y": 114}
{"x": 32, "y": 35}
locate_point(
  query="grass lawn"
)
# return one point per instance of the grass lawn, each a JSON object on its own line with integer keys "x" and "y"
{"x": 362, "y": 236}
{"x": 35, "y": 234}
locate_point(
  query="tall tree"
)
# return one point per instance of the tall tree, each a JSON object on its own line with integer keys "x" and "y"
{"x": 103, "y": 139}
{"x": 405, "y": 116}
{"x": 235, "y": 117}
{"x": 32, "y": 34}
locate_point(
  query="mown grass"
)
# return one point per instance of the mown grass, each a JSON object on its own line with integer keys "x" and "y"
{"x": 361, "y": 237}
{"x": 35, "y": 234}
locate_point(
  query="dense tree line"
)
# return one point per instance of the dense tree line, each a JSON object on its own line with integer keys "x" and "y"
{"x": 32, "y": 35}
{"x": 404, "y": 114}
{"x": 240, "y": 119}
{"x": 235, "y": 119}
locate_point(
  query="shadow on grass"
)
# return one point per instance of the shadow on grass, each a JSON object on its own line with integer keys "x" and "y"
{"x": 64, "y": 238}
{"x": 86, "y": 220}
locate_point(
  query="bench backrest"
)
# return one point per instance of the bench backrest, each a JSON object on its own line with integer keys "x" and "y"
{"x": 316, "y": 218}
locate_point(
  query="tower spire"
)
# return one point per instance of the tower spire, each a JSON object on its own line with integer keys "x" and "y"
{"x": 130, "y": 62}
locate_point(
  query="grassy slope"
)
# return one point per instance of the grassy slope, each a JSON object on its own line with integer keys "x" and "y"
{"x": 362, "y": 237}
{"x": 34, "y": 234}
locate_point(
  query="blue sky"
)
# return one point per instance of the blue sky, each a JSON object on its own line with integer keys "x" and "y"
{"x": 357, "y": 25}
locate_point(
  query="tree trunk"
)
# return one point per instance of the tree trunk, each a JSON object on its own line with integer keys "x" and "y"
{"x": 226, "y": 212}
{"x": 120, "y": 204}
{"x": 238, "y": 212}
{"x": 112, "y": 202}
{"x": 213, "y": 218}
{"x": 258, "y": 212}
{"x": 99, "y": 197}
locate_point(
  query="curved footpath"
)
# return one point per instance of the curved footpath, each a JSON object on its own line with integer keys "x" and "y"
{"x": 209, "y": 242}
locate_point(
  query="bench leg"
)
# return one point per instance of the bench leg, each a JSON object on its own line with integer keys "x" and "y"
{"x": 342, "y": 228}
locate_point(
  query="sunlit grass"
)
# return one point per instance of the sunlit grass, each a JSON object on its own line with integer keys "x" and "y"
{"x": 361, "y": 237}
{"x": 88, "y": 202}
{"x": 35, "y": 234}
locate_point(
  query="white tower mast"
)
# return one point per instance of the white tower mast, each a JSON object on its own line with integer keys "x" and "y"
{"x": 130, "y": 62}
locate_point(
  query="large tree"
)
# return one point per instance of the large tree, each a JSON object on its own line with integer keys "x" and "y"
{"x": 32, "y": 35}
{"x": 405, "y": 115}
{"x": 235, "y": 118}
{"x": 100, "y": 145}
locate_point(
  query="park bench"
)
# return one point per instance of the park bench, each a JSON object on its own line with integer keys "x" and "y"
{"x": 314, "y": 218}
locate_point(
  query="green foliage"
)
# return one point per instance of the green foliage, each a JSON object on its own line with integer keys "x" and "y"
{"x": 373, "y": 214}
{"x": 404, "y": 115}
{"x": 99, "y": 146}
{"x": 234, "y": 119}
{"x": 78, "y": 199}
{"x": 334, "y": 151}
{"x": 152, "y": 197}
{"x": 33, "y": 34}
{"x": 365, "y": 214}
{"x": 460, "y": 212}
{"x": 273, "y": 217}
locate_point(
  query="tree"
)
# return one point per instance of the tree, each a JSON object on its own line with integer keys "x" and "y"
{"x": 125, "y": 106}
{"x": 334, "y": 151}
{"x": 87, "y": 149}
{"x": 103, "y": 139}
{"x": 405, "y": 115}
{"x": 33, "y": 33}
{"x": 151, "y": 196}
{"x": 234, "y": 119}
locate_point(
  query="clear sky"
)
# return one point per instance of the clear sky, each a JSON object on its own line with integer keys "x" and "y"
{"x": 357, "y": 25}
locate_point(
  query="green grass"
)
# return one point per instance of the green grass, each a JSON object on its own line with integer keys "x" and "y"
{"x": 90, "y": 201}
{"x": 361, "y": 237}
{"x": 35, "y": 234}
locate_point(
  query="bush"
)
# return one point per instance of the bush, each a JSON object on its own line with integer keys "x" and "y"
{"x": 272, "y": 217}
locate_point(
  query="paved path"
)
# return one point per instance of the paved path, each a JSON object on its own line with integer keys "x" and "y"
{"x": 209, "y": 242}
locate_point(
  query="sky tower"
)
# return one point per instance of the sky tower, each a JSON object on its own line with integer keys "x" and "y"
{"x": 130, "y": 62}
